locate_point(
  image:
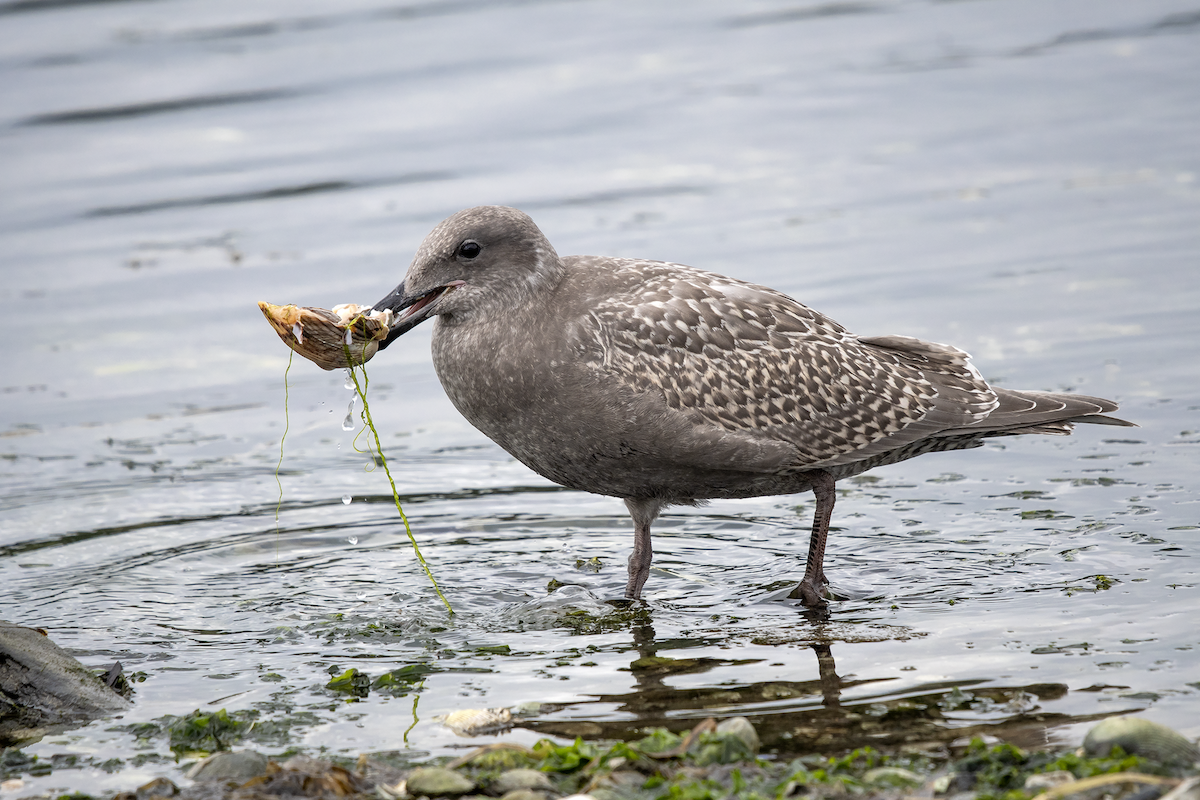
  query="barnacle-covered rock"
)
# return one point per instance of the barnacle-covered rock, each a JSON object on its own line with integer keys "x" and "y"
{"x": 344, "y": 336}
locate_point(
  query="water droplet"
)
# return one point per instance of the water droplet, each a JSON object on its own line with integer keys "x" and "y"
{"x": 346, "y": 499}
{"x": 348, "y": 422}
{"x": 352, "y": 539}
{"x": 349, "y": 380}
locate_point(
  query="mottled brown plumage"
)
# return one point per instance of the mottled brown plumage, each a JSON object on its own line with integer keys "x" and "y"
{"x": 660, "y": 384}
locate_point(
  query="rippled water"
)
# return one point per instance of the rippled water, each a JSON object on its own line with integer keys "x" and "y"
{"x": 1014, "y": 177}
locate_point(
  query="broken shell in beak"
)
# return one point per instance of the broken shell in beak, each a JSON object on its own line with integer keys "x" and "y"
{"x": 324, "y": 336}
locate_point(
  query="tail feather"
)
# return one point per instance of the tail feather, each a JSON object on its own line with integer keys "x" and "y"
{"x": 1041, "y": 412}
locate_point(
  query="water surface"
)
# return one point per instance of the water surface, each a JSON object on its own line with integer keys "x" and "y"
{"x": 1013, "y": 177}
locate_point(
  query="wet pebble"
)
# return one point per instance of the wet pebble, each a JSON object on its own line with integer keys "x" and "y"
{"x": 521, "y": 779}
{"x": 437, "y": 782}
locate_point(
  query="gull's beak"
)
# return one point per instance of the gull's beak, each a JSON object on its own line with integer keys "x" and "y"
{"x": 410, "y": 310}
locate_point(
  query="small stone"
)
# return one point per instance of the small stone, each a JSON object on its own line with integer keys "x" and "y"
{"x": 1044, "y": 781}
{"x": 241, "y": 766}
{"x": 524, "y": 794}
{"x": 437, "y": 782}
{"x": 517, "y": 779}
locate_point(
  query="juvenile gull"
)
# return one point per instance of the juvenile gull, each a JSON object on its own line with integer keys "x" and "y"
{"x": 662, "y": 384}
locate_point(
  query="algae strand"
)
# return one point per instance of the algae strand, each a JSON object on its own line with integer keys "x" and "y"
{"x": 416, "y": 719}
{"x": 361, "y": 390}
{"x": 287, "y": 422}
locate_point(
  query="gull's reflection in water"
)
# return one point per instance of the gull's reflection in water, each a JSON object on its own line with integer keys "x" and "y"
{"x": 821, "y": 711}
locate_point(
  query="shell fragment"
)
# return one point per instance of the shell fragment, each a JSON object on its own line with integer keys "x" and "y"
{"x": 324, "y": 336}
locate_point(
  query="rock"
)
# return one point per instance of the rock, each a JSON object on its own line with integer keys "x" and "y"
{"x": 437, "y": 782}
{"x": 240, "y": 766}
{"x": 517, "y": 779}
{"x": 42, "y": 689}
{"x": 1138, "y": 736}
{"x": 891, "y": 778}
{"x": 524, "y": 794}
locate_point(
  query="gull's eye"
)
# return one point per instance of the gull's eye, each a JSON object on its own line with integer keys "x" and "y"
{"x": 469, "y": 249}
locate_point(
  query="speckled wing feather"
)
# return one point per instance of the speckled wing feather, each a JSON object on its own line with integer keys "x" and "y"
{"x": 752, "y": 361}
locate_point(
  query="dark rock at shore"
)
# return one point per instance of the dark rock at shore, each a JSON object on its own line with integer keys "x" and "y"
{"x": 43, "y": 689}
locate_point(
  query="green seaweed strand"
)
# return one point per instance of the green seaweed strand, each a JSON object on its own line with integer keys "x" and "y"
{"x": 416, "y": 719}
{"x": 361, "y": 391}
{"x": 279, "y": 465}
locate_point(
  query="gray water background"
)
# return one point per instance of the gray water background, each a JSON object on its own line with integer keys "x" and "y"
{"x": 1015, "y": 177}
